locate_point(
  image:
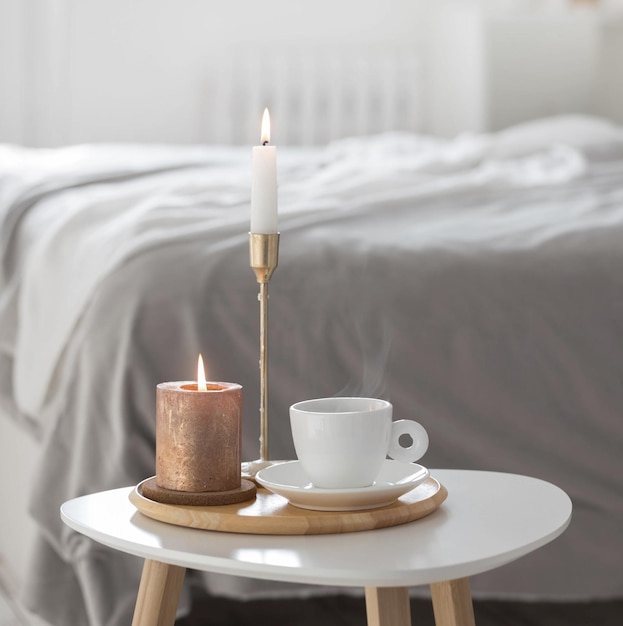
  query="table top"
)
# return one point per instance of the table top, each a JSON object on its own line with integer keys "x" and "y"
{"x": 489, "y": 519}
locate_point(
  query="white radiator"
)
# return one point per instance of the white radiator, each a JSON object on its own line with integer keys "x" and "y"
{"x": 314, "y": 95}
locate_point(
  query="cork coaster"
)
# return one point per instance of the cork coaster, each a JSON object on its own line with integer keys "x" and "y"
{"x": 152, "y": 491}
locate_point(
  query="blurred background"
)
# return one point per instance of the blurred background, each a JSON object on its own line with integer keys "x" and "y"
{"x": 195, "y": 71}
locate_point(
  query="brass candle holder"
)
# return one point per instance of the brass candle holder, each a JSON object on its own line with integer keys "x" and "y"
{"x": 264, "y": 257}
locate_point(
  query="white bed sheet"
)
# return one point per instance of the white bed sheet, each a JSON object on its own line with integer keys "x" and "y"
{"x": 475, "y": 283}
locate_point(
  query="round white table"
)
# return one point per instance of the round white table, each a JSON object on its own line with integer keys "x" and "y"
{"x": 488, "y": 520}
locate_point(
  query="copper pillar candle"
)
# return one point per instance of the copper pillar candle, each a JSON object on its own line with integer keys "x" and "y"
{"x": 198, "y": 436}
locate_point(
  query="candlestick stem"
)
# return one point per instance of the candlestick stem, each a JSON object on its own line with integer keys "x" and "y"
{"x": 264, "y": 257}
{"x": 263, "y": 295}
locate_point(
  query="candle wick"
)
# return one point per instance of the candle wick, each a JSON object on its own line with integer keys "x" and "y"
{"x": 265, "y": 142}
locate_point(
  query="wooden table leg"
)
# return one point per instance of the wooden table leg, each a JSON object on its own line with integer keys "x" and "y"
{"x": 158, "y": 594}
{"x": 452, "y": 603}
{"x": 388, "y": 606}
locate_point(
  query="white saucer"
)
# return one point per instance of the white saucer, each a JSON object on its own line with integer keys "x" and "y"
{"x": 290, "y": 481}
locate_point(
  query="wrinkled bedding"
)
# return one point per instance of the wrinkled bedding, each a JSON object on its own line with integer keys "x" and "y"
{"x": 476, "y": 283}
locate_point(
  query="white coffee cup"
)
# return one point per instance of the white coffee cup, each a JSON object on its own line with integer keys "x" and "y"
{"x": 342, "y": 443}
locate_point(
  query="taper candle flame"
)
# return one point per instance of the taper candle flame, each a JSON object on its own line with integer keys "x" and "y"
{"x": 265, "y": 133}
{"x": 201, "y": 375}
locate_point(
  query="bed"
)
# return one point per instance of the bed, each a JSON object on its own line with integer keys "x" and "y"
{"x": 475, "y": 282}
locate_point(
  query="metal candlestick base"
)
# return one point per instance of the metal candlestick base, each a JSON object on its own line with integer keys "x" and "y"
{"x": 249, "y": 469}
{"x": 264, "y": 257}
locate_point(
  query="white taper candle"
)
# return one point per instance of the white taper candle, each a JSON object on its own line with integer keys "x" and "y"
{"x": 264, "y": 183}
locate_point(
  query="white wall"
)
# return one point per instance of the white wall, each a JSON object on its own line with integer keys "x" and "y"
{"x": 140, "y": 70}
{"x": 106, "y": 70}
{"x": 11, "y": 71}
{"x": 513, "y": 61}
{"x": 610, "y": 77}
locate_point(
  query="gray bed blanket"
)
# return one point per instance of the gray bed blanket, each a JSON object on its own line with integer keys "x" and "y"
{"x": 476, "y": 283}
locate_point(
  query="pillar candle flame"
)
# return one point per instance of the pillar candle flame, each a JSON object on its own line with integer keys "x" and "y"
{"x": 201, "y": 375}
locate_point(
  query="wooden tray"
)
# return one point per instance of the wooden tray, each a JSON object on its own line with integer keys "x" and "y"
{"x": 270, "y": 514}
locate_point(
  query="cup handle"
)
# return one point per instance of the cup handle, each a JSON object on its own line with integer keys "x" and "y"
{"x": 419, "y": 444}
